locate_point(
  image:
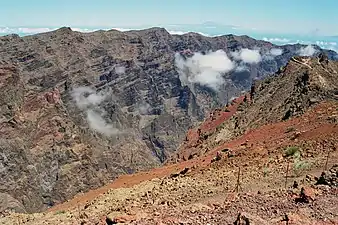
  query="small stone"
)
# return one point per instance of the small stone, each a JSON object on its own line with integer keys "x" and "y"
{"x": 308, "y": 177}
{"x": 114, "y": 218}
{"x": 306, "y": 195}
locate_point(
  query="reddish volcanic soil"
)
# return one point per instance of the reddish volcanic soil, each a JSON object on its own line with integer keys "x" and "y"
{"x": 313, "y": 126}
{"x": 216, "y": 118}
{"x": 201, "y": 190}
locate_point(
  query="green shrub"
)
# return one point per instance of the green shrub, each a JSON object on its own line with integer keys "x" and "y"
{"x": 266, "y": 171}
{"x": 292, "y": 151}
{"x": 60, "y": 212}
{"x": 62, "y": 130}
{"x": 300, "y": 166}
{"x": 290, "y": 129}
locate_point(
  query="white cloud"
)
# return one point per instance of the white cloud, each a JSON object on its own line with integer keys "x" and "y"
{"x": 96, "y": 122}
{"x": 241, "y": 68}
{"x": 26, "y": 30}
{"x": 307, "y": 51}
{"x": 88, "y": 101}
{"x": 173, "y": 25}
{"x": 272, "y": 53}
{"x": 34, "y": 30}
{"x": 120, "y": 69}
{"x": 185, "y": 32}
{"x": 276, "y": 51}
{"x": 321, "y": 43}
{"x": 85, "y": 30}
{"x": 5, "y": 30}
{"x": 121, "y": 29}
{"x": 325, "y": 43}
{"x": 177, "y": 32}
{"x": 85, "y": 97}
{"x": 205, "y": 69}
{"x": 280, "y": 40}
{"x": 144, "y": 108}
{"x": 247, "y": 55}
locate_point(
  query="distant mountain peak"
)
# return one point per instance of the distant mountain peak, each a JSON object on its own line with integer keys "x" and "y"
{"x": 64, "y": 30}
{"x": 210, "y": 23}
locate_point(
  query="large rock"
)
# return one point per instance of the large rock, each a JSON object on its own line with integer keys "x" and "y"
{"x": 10, "y": 204}
{"x": 329, "y": 177}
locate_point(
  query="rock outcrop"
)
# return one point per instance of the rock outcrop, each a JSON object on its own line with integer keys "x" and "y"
{"x": 329, "y": 177}
{"x": 303, "y": 83}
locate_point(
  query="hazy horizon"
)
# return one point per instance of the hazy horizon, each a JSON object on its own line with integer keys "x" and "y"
{"x": 279, "y": 22}
{"x": 206, "y": 29}
{"x": 287, "y": 17}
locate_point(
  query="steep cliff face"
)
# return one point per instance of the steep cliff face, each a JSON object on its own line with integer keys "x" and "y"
{"x": 79, "y": 109}
{"x": 302, "y": 83}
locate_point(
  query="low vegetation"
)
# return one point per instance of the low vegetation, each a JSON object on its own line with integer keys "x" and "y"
{"x": 60, "y": 212}
{"x": 290, "y": 129}
{"x": 292, "y": 151}
{"x": 299, "y": 165}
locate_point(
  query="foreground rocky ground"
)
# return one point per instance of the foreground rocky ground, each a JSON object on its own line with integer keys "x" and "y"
{"x": 199, "y": 191}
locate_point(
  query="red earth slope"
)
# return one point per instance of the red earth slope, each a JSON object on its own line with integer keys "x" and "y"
{"x": 315, "y": 126}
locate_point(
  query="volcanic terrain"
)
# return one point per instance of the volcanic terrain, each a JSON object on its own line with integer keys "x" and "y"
{"x": 267, "y": 157}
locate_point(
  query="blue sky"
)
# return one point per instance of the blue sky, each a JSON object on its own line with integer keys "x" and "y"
{"x": 278, "y": 16}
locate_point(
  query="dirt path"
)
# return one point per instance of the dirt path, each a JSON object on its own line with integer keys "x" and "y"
{"x": 302, "y": 63}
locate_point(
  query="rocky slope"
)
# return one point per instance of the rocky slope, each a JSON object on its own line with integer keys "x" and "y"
{"x": 77, "y": 110}
{"x": 270, "y": 174}
{"x": 302, "y": 83}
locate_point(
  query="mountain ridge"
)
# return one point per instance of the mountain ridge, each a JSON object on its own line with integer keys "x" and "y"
{"x": 302, "y": 83}
{"x": 126, "y": 82}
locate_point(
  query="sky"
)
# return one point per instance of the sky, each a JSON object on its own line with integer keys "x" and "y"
{"x": 278, "y": 16}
